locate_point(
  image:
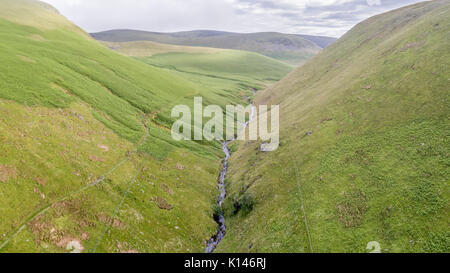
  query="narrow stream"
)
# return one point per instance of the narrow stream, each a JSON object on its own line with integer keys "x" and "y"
{"x": 216, "y": 239}
{"x": 212, "y": 244}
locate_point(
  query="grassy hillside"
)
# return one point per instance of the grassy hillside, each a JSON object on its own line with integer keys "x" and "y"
{"x": 88, "y": 161}
{"x": 289, "y": 48}
{"x": 222, "y": 72}
{"x": 364, "y": 152}
{"x": 147, "y": 48}
{"x": 48, "y": 18}
{"x": 247, "y": 68}
{"x": 242, "y": 67}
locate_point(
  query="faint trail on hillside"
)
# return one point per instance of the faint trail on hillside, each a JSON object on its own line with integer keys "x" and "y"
{"x": 116, "y": 211}
{"x": 103, "y": 177}
{"x": 299, "y": 188}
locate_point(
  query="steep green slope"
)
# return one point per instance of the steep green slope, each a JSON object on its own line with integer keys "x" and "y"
{"x": 87, "y": 157}
{"x": 290, "y": 48}
{"x": 24, "y": 12}
{"x": 364, "y": 153}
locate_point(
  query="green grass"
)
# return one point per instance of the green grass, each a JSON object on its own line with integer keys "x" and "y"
{"x": 36, "y": 14}
{"x": 66, "y": 67}
{"x": 221, "y": 76}
{"x": 62, "y": 67}
{"x": 249, "y": 68}
{"x": 375, "y": 167}
{"x": 214, "y": 69}
{"x": 73, "y": 113}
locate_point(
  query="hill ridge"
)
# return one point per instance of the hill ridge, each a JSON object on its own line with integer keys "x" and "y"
{"x": 290, "y": 48}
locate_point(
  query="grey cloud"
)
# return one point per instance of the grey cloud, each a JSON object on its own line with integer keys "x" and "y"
{"x": 331, "y": 20}
{"x": 291, "y": 16}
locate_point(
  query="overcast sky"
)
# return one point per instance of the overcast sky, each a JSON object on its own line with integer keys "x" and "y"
{"x": 314, "y": 17}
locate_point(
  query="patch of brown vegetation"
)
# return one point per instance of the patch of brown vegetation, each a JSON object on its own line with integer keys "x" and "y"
{"x": 409, "y": 45}
{"x": 131, "y": 251}
{"x": 116, "y": 223}
{"x": 80, "y": 116}
{"x": 162, "y": 203}
{"x": 108, "y": 220}
{"x": 125, "y": 248}
{"x": 103, "y": 147}
{"x": 326, "y": 119}
{"x": 167, "y": 189}
{"x": 36, "y": 190}
{"x": 352, "y": 209}
{"x": 76, "y": 208}
{"x": 105, "y": 219}
{"x": 45, "y": 232}
{"x": 7, "y": 172}
{"x": 85, "y": 236}
{"x": 95, "y": 158}
{"x": 40, "y": 181}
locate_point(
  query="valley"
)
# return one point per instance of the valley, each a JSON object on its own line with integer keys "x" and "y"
{"x": 88, "y": 162}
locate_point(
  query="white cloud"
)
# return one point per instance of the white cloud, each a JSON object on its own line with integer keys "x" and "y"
{"x": 374, "y": 2}
{"x": 315, "y": 17}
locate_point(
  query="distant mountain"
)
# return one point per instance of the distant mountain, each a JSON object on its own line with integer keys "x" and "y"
{"x": 322, "y": 41}
{"x": 289, "y": 48}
